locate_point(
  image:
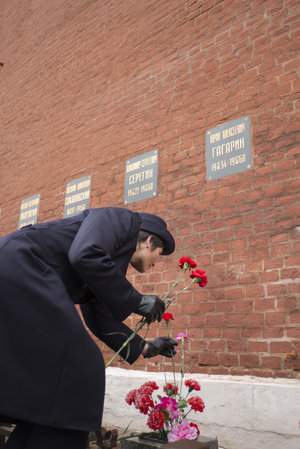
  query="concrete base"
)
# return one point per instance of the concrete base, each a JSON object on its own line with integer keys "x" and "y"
{"x": 243, "y": 412}
{"x": 200, "y": 443}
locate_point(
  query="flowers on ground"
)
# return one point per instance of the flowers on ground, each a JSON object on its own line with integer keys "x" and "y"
{"x": 196, "y": 404}
{"x": 170, "y": 389}
{"x": 192, "y": 385}
{"x": 182, "y": 430}
{"x": 156, "y": 420}
{"x": 167, "y": 414}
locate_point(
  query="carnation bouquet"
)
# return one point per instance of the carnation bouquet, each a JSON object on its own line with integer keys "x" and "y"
{"x": 167, "y": 412}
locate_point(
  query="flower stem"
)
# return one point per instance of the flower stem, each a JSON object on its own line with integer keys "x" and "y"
{"x": 173, "y": 364}
{"x": 182, "y": 364}
{"x": 131, "y": 337}
{"x": 174, "y": 285}
{"x": 178, "y": 293}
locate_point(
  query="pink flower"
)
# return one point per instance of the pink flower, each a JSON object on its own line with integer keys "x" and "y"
{"x": 200, "y": 277}
{"x": 185, "y": 263}
{"x": 156, "y": 420}
{"x": 182, "y": 337}
{"x": 169, "y": 405}
{"x": 192, "y": 385}
{"x": 182, "y": 430}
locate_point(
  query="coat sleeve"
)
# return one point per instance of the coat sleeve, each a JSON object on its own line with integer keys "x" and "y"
{"x": 104, "y": 326}
{"x": 103, "y": 233}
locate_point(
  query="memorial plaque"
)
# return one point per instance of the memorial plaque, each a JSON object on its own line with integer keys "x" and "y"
{"x": 141, "y": 177}
{"x": 29, "y": 211}
{"x": 228, "y": 149}
{"x": 77, "y": 196}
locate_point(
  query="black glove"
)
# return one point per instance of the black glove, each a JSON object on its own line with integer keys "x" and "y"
{"x": 151, "y": 307}
{"x": 161, "y": 346}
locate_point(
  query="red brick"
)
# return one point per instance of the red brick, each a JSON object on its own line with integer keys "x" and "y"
{"x": 265, "y": 304}
{"x": 271, "y": 362}
{"x": 228, "y": 360}
{"x": 275, "y": 318}
{"x": 249, "y": 361}
{"x": 269, "y": 276}
{"x": 252, "y": 332}
{"x": 239, "y": 228}
{"x": 258, "y": 346}
{"x": 295, "y": 317}
{"x": 280, "y": 346}
{"x": 215, "y": 345}
{"x": 273, "y": 332}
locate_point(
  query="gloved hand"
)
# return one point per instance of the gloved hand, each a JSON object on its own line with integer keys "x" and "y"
{"x": 161, "y": 346}
{"x": 151, "y": 307}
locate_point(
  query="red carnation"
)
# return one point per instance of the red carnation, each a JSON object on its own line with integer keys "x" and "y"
{"x": 200, "y": 277}
{"x": 151, "y": 384}
{"x": 167, "y": 316}
{"x": 186, "y": 263}
{"x": 156, "y": 419}
{"x": 130, "y": 397}
{"x": 192, "y": 424}
{"x": 192, "y": 385}
{"x": 143, "y": 402}
{"x": 196, "y": 404}
{"x": 171, "y": 389}
{"x": 145, "y": 389}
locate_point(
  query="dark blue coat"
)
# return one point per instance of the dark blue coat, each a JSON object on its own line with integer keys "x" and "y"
{"x": 52, "y": 372}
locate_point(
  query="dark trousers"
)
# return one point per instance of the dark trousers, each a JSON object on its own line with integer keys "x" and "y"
{"x": 34, "y": 436}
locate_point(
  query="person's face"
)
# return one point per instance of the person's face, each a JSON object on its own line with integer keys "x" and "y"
{"x": 143, "y": 257}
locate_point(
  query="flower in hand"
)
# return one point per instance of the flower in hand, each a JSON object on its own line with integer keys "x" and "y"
{"x": 186, "y": 263}
{"x": 200, "y": 277}
{"x": 182, "y": 337}
{"x": 161, "y": 346}
{"x": 167, "y": 316}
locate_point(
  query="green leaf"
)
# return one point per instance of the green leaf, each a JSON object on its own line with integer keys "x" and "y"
{"x": 182, "y": 403}
{"x": 116, "y": 333}
{"x": 127, "y": 352}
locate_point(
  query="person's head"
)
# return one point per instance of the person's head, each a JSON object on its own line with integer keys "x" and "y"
{"x": 148, "y": 248}
{"x": 154, "y": 240}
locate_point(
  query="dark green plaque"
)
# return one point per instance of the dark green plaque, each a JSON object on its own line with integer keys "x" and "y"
{"x": 228, "y": 149}
{"x": 29, "y": 211}
{"x": 141, "y": 177}
{"x": 77, "y": 196}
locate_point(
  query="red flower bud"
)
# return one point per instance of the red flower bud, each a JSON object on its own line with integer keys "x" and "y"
{"x": 167, "y": 316}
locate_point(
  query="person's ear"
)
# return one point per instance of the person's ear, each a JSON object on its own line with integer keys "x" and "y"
{"x": 149, "y": 241}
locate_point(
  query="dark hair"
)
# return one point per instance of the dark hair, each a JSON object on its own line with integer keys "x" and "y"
{"x": 156, "y": 242}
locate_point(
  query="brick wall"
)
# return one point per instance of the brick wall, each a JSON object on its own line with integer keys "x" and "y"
{"x": 86, "y": 85}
